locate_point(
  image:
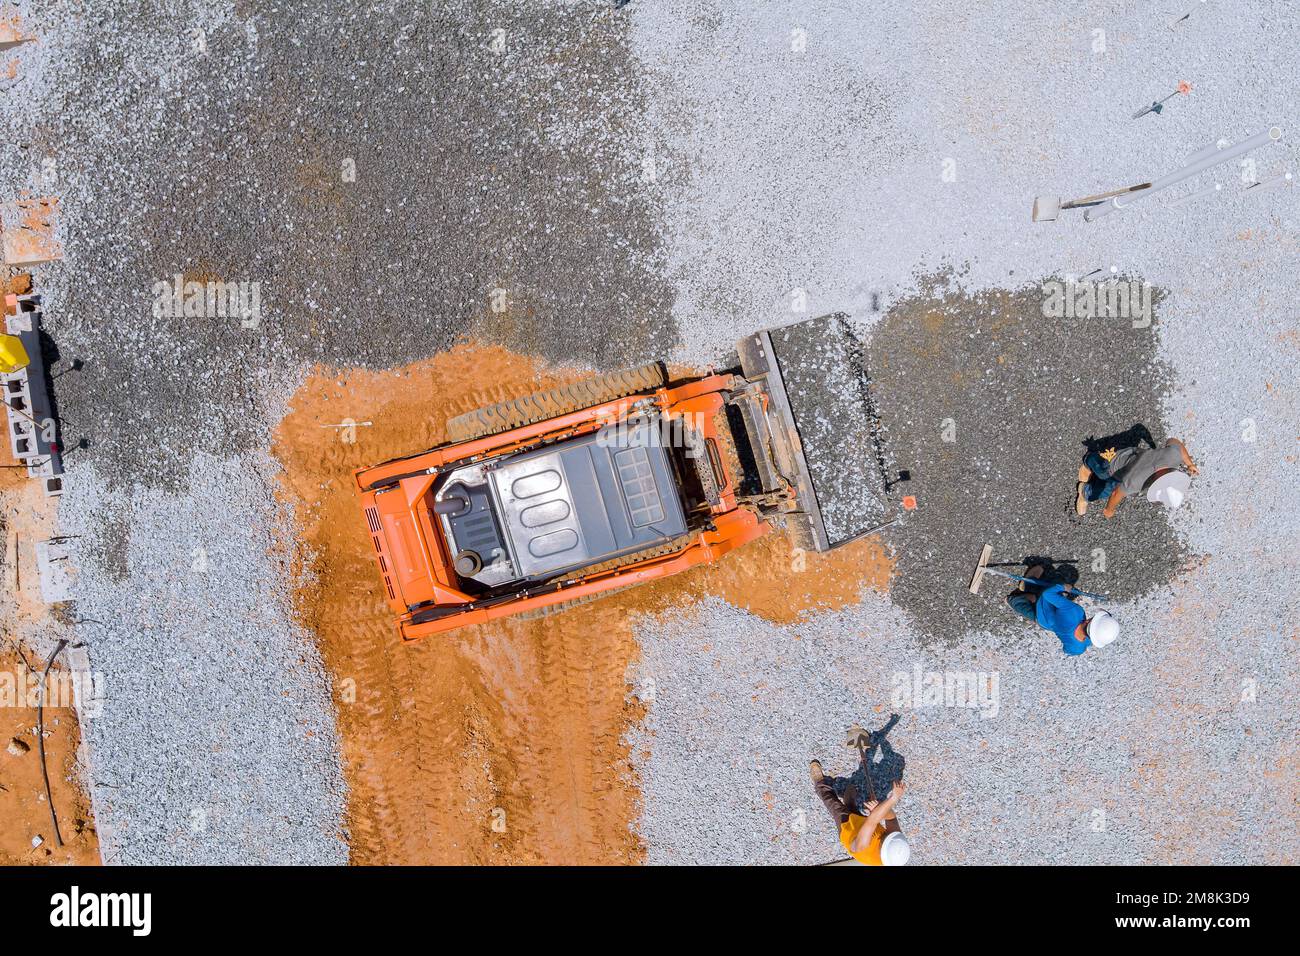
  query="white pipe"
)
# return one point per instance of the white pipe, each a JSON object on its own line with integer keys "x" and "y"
{"x": 1270, "y": 135}
{"x": 1207, "y": 151}
{"x": 1208, "y": 190}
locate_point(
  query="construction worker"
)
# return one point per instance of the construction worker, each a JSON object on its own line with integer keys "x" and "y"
{"x": 1115, "y": 475}
{"x": 873, "y": 837}
{"x": 1054, "y": 610}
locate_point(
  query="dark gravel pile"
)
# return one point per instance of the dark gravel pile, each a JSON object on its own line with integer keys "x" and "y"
{"x": 379, "y": 170}
{"x": 1018, "y": 401}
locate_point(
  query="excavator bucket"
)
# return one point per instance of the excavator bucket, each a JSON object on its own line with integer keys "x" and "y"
{"x": 818, "y": 431}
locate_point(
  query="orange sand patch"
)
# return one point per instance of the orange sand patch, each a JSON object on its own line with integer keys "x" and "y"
{"x": 24, "y": 812}
{"x": 501, "y": 743}
{"x": 26, "y": 516}
{"x": 29, "y": 231}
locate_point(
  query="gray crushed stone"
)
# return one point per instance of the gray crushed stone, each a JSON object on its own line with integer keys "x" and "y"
{"x": 669, "y": 173}
{"x": 821, "y": 172}
{"x": 216, "y": 740}
{"x": 474, "y": 171}
{"x": 988, "y": 417}
{"x": 1084, "y": 761}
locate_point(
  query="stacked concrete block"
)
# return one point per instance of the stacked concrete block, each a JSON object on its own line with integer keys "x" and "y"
{"x": 33, "y": 429}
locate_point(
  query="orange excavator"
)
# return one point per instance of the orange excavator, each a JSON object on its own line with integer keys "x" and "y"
{"x": 570, "y": 494}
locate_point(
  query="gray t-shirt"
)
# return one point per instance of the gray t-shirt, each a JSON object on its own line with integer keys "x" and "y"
{"x": 1133, "y": 467}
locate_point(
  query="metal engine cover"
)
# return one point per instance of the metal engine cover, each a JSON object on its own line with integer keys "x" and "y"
{"x": 583, "y": 501}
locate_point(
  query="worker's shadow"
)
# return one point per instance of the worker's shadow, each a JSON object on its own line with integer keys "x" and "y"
{"x": 53, "y": 358}
{"x": 1055, "y": 570}
{"x": 1131, "y": 437}
{"x": 879, "y": 769}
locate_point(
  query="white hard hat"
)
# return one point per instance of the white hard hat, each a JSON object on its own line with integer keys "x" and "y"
{"x": 895, "y": 850}
{"x": 1102, "y": 629}
{"x": 1169, "y": 488}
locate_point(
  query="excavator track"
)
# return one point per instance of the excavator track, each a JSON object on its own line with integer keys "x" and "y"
{"x": 553, "y": 402}
{"x": 669, "y": 547}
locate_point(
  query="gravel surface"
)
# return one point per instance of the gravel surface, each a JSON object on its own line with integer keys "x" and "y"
{"x": 887, "y": 168}
{"x": 470, "y": 171}
{"x": 216, "y": 741}
{"x": 666, "y": 178}
{"x": 988, "y": 416}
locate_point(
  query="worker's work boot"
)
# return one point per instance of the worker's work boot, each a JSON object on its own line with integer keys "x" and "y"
{"x": 815, "y": 771}
{"x": 1081, "y": 499}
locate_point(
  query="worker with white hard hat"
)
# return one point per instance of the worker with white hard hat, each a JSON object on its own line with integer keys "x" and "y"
{"x": 1052, "y": 608}
{"x": 1113, "y": 475}
{"x": 869, "y": 830}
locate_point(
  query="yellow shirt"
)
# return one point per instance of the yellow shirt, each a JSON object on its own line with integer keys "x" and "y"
{"x": 871, "y": 855}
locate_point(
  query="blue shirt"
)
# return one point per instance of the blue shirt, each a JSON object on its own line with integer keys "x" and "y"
{"x": 1060, "y": 615}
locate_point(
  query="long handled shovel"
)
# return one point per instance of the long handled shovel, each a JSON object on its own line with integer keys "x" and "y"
{"x": 982, "y": 568}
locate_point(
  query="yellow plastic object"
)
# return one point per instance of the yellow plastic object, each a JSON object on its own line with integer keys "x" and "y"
{"x": 12, "y": 354}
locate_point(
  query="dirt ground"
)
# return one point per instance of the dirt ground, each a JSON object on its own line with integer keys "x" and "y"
{"x": 24, "y": 812}
{"x": 502, "y": 743}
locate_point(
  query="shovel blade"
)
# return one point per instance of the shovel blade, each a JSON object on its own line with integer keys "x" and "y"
{"x": 978, "y": 577}
{"x": 1046, "y": 208}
